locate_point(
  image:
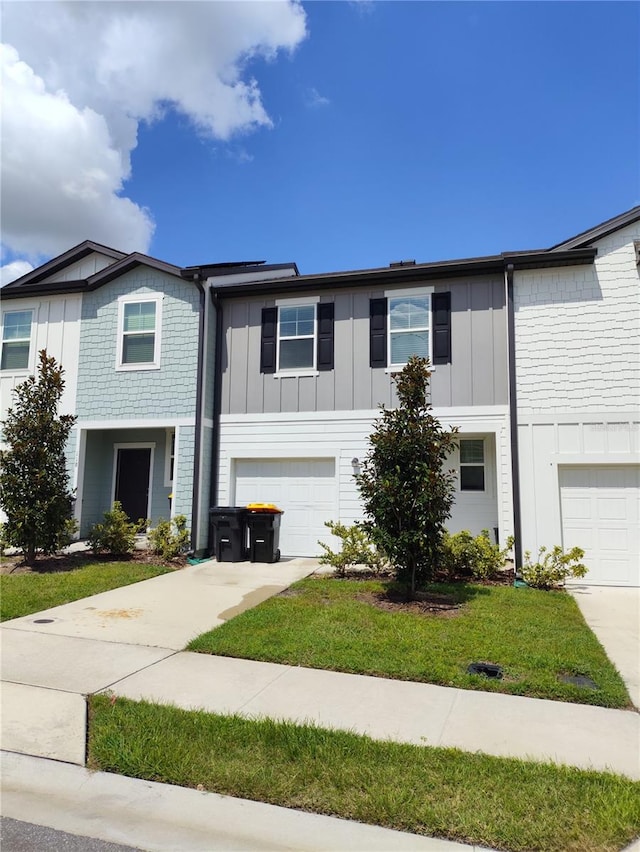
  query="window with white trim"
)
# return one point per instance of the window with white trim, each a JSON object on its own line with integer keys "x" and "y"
{"x": 139, "y": 322}
{"x": 16, "y": 339}
{"x": 472, "y": 463}
{"x": 409, "y": 328}
{"x": 296, "y": 337}
{"x": 169, "y": 457}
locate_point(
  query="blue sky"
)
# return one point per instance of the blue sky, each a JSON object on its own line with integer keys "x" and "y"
{"x": 387, "y": 131}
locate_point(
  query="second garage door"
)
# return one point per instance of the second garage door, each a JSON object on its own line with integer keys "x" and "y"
{"x": 600, "y": 507}
{"x": 305, "y": 488}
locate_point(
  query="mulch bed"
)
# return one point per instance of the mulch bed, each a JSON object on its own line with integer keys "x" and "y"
{"x": 425, "y": 603}
{"x": 71, "y": 561}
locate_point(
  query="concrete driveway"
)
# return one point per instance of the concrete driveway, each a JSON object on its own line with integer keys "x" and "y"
{"x": 613, "y": 613}
{"x": 52, "y": 659}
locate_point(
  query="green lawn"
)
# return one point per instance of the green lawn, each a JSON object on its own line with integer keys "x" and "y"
{"x": 330, "y": 624}
{"x": 22, "y": 594}
{"x": 503, "y": 803}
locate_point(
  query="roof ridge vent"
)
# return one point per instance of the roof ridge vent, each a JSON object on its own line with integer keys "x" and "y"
{"x": 396, "y": 263}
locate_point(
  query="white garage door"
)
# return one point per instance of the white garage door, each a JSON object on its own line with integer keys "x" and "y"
{"x": 600, "y": 508}
{"x": 304, "y": 488}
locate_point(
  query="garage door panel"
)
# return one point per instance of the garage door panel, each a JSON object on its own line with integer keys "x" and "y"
{"x": 600, "y": 507}
{"x": 306, "y": 489}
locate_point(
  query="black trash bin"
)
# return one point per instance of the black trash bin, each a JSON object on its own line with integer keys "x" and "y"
{"x": 228, "y": 533}
{"x": 263, "y": 521}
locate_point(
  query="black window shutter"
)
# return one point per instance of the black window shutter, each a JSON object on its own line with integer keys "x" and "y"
{"x": 378, "y": 332}
{"x": 268, "y": 340}
{"x": 325, "y": 336}
{"x": 441, "y": 316}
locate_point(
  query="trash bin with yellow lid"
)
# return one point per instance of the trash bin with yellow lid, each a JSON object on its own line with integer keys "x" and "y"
{"x": 263, "y": 523}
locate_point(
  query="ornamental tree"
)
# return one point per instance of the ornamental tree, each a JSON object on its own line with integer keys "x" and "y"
{"x": 34, "y": 484}
{"x": 406, "y": 490}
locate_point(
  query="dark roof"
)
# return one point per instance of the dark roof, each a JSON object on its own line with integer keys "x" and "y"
{"x": 215, "y": 270}
{"x": 599, "y": 231}
{"x": 57, "y": 263}
{"x": 411, "y": 273}
{"x": 32, "y": 283}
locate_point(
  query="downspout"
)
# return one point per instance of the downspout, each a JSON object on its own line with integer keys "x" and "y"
{"x": 217, "y": 401}
{"x": 513, "y": 421}
{"x": 195, "y": 494}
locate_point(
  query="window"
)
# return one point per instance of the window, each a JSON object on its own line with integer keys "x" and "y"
{"x": 414, "y": 322}
{"x": 169, "y": 457}
{"x": 16, "y": 340}
{"x": 139, "y": 337}
{"x": 472, "y": 465}
{"x": 409, "y": 326}
{"x": 296, "y": 337}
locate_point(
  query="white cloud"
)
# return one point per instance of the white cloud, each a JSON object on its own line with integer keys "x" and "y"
{"x": 16, "y": 269}
{"x": 315, "y": 99}
{"x": 83, "y": 77}
{"x": 60, "y": 171}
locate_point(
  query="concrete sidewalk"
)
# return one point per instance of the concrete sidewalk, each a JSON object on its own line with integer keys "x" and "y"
{"x": 129, "y": 641}
{"x": 613, "y": 613}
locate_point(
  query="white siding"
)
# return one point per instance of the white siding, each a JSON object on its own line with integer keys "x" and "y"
{"x": 84, "y": 268}
{"x": 549, "y": 442}
{"x": 56, "y": 328}
{"x": 577, "y": 333}
{"x": 343, "y": 437}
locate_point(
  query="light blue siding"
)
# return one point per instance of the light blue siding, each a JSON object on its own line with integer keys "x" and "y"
{"x": 103, "y": 391}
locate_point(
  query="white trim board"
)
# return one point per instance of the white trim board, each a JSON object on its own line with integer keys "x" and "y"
{"x": 140, "y": 423}
{"x": 477, "y": 412}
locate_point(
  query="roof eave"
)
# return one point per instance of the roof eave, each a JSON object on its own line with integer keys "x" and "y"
{"x": 61, "y": 261}
{"x": 600, "y": 231}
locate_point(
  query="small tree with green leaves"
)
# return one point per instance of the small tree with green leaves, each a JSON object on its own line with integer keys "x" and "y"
{"x": 34, "y": 484}
{"x": 406, "y": 490}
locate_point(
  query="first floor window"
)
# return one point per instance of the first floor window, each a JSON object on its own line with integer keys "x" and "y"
{"x": 472, "y": 465}
{"x": 16, "y": 339}
{"x": 139, "y": 334}
{"x": 170, "y": 457}
{"x": 409, "y": 318}
{"x": 296, "y": 337}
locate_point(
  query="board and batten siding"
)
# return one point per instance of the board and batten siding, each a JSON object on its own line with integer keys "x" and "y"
{"x": 56, "y": 328}
{"x": 83, "y": 268}
{"x": 477, "y": 374}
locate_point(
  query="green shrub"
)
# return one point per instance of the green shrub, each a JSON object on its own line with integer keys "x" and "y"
{"x": 117, "y": 535}
{"x": 553, "y": 567}
{"x": 464, "y": 555}
{"x": 357, "y": 549}
{"x": 69, "y": 533}
{"x": 170, "y": 538}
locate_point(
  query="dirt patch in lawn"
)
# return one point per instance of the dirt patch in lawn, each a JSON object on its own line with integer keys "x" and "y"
{"x": 425, "y": 603}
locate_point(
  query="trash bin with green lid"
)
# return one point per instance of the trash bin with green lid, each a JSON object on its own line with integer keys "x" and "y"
{"x": 228, "y": 533}
{"x": 263, "y": 521}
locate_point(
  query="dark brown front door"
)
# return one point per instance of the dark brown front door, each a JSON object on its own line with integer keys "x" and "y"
{"x": 132, "y": 481}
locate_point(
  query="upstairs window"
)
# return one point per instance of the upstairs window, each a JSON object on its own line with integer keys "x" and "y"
{"x": 139, "y": 334}
{"x": 296, "y": 337}
{"x": 16, "y": 339}
{"x": 409, "y": 328}
{"x": 472, "y": 465}
{"x": 415, "y": 322}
